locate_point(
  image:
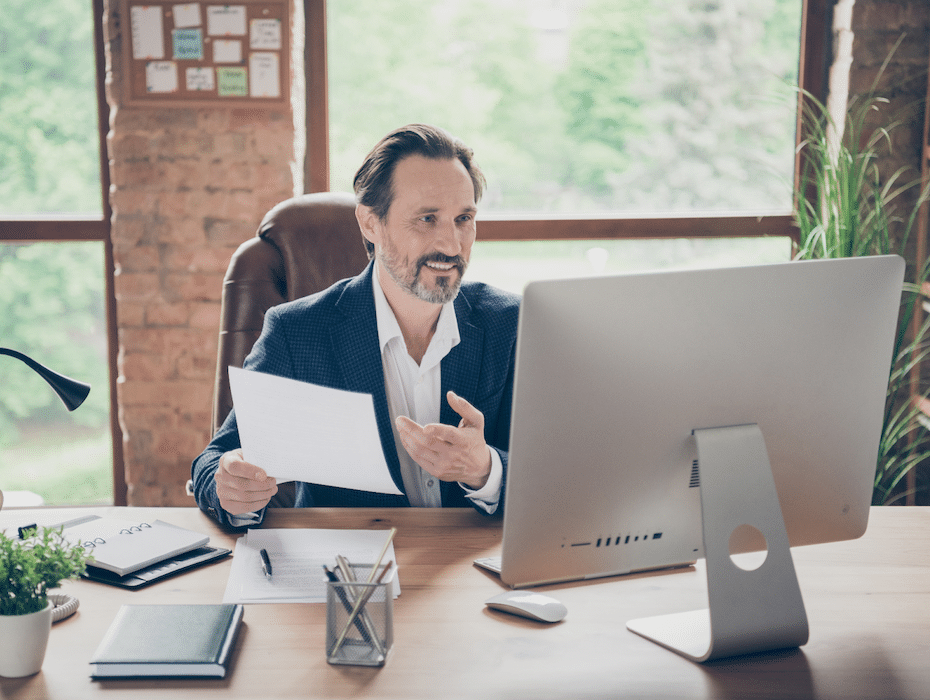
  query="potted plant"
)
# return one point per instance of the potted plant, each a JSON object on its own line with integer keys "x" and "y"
{"x": 846, "y": 208}
{"x": 28, "y": 570}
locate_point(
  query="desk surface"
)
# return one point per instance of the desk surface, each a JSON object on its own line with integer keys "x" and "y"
{"x": 868, "y": 603}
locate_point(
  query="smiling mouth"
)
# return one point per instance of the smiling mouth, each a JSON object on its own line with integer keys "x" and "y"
{"x": 442, "y": 263}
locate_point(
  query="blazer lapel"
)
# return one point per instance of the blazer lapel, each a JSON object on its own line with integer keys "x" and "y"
{"x": 357, "y": 352}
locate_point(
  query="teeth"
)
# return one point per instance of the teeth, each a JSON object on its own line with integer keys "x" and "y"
{"x": 440, "y": 266}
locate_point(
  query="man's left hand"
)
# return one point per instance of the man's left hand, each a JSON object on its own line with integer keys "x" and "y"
{"x": 450, "y": 453}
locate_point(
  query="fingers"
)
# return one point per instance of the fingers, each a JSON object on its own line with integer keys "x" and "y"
{"x": 470, "y": 414}
{"x": 448, "y": 452}
{"x": 240, "y": 486}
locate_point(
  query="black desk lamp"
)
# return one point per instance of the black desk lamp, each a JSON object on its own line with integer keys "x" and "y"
{"x": 71, "y": 391}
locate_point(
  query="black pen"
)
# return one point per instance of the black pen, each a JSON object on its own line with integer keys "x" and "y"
{"x": 340, "y": 591}
{"x": 266, "y": 562}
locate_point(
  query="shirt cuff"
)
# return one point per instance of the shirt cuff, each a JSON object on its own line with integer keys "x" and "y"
{"x": 488, "y": 496}
{"x": 243, "y": 519}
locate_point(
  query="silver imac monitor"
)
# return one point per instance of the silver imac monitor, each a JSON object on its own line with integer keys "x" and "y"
{"x": 616, "y": 376}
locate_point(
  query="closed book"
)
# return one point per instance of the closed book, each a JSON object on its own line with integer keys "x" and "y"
{"x": 168, "y": 640}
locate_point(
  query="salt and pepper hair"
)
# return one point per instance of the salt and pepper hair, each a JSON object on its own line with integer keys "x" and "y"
{"x": 374, "y": 181}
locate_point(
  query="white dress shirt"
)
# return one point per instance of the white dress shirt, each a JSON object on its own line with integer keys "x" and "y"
{"x": 415, "y": 391}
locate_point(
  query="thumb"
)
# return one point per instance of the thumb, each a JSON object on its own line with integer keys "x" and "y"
{"x": 470, "y": 414}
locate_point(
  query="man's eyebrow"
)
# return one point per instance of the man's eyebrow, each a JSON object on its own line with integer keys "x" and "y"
{"x": 434, "y": 210}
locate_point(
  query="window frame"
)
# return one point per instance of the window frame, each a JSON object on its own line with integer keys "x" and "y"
{"x": 816, "y": 20}
{"x": 53, "y": 228}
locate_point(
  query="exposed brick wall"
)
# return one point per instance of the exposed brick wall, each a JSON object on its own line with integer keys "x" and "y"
{"x": 187, "y": 187}
{"x": 878, "y": 25}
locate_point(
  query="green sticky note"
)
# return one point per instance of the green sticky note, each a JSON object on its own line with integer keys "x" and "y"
{"x": 232, "y": 82}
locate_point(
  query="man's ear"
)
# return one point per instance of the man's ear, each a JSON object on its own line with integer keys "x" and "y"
{"x": 369, "y": 223}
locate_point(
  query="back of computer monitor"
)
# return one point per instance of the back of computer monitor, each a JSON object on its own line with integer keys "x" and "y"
{"x": 615, "y": 373}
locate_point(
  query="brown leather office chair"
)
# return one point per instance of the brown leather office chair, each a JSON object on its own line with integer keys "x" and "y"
{"x": 303, "y": 245}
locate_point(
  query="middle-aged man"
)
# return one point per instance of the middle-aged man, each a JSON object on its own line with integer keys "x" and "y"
{"x": 436, "y": 353}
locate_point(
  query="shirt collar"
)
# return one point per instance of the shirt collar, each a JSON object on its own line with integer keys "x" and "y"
{"x": 444, "y": 339}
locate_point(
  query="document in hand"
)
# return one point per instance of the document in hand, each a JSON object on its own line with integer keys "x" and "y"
{"x": 297, "y": 431}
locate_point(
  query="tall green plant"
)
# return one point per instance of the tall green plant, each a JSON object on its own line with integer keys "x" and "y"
{"x": 846, "y": 208}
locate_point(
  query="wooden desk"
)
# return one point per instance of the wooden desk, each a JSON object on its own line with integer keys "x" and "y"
{"x": 868, "y": 602}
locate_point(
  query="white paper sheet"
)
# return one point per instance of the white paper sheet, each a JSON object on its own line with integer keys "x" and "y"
{"x": 265, "y": 34}
{"x": 161, "y": 76}
{"x": 147, "y": 34}
{"x": 264, "y": 74}
{"x": 226, "y": 20}
{"x": 187, "y": 15}
{"x": 297, "y": 559}
{"x": 200, "y": 79}
{"x": 227, "y": 51}
{"x": 298, "y": 431}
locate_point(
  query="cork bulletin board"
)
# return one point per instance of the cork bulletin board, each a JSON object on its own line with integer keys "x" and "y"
{"x": 198, "y": 54}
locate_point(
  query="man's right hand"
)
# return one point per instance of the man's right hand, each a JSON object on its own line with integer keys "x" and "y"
{"x": 242, "y": 487}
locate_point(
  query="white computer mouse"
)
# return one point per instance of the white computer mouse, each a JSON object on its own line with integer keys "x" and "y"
{"x": 535, "y": 606}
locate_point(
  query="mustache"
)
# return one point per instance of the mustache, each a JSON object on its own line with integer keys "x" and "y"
{"x": 456, "y": 260}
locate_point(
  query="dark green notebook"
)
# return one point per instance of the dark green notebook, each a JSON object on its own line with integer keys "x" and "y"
{"x": 168, "y": 640}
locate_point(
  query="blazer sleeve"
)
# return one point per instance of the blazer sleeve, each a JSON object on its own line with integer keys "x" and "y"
{"x": 269, "y": 354}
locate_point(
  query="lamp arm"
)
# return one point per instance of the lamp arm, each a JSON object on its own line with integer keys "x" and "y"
{"x": 71, "y": 391}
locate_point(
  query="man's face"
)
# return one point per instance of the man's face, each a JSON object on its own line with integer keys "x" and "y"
{"x": 425, "y": 242}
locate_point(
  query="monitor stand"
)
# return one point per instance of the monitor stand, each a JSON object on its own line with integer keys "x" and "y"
{"x": 749, "y": 611}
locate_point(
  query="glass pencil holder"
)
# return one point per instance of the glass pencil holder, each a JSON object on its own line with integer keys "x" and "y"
{"x": 360, "y": 618}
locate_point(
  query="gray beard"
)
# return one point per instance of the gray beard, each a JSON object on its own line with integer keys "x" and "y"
{"x": 444, "y": 292}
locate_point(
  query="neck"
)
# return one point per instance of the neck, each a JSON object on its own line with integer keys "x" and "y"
{"x": 417, "y": 318}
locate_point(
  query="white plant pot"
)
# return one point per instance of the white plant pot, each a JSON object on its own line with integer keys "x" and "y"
{"x": 23, "y": 639}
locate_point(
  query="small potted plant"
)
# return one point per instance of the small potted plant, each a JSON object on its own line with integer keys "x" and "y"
{"x": 29, "y": 568}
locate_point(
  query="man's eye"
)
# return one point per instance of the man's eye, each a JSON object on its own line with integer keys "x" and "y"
{"x": 429, "y": 218}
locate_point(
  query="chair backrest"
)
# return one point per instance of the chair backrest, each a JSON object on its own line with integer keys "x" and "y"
{"x": 303, "y": 245}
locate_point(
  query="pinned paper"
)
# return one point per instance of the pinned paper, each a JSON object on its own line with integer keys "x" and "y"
{"x": 188, "y": 44}
{"x": 200, "y": 79}
{"x": 187, "y": 15}
{"x": 263, "y": 75}
{"x": 148, "y": 39}
{"x": 265, "y": 34}
{"x": 161, "y": 76}
{"x": 227, "y": 51}
{"x": 226, "y": 20}
{"x": 232, "y": 82}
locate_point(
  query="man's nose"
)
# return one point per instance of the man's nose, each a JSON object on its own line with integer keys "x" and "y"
{"x": 448, "y": 239}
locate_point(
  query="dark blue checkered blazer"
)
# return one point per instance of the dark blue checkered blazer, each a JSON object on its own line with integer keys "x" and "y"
{"x": 331, "y": 339}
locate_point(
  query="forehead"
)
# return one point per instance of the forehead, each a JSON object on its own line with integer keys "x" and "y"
{"x": 432, "y": 183}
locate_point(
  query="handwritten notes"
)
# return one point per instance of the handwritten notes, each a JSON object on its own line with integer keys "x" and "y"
{"x": 226, "y": 20}
{"x": 211, "y": 53}
{"x": 161, "y": 76}
{"x": 263, "y": 74}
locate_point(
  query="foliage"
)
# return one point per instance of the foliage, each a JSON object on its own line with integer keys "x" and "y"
{"x": 604, "y": 105}
{"x": 52, "y": 309}
{"x": 49, "y": 158}
{"x": 30, "y": 568}
{"x": 846, "y": 208}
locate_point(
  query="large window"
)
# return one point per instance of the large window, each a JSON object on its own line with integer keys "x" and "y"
{"x": 580, "y": 106}
{"x": 53, "y": 255}
{"x": 585, "y": 115}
